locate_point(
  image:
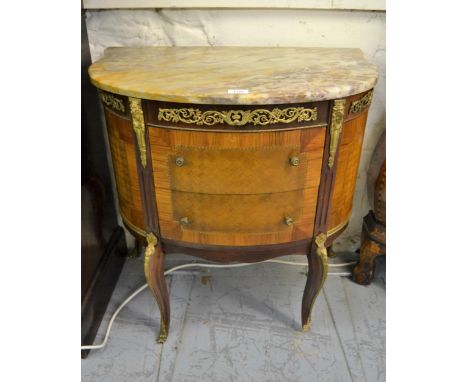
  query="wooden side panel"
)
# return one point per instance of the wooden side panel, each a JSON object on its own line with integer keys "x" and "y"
{"x": 125, "y": 167}
{"x": 238, "y": 214}
{"x": 346, "y": 171}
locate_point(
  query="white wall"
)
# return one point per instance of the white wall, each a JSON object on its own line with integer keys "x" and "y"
{"x": 370, "y": 5}
{"x": 259, "y": 27}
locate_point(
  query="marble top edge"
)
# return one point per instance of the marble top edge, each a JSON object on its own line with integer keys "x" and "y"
{"x": 263, "y": 75}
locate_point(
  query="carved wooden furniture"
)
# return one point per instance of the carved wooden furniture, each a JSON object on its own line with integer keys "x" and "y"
{"x": 235, "y": 154}
{"x": 373, "y": 227}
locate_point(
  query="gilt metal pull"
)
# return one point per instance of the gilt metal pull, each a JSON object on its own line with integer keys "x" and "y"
{"x": 288, "y": 220}
{"x": 294, "y": 161}
{"x": 184, "y": 220}
{"x": 179, "y": 161}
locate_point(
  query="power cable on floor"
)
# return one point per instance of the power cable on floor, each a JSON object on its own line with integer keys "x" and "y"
{"x": 202, "y": 265}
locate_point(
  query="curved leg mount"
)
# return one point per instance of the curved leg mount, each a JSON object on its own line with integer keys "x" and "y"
{"x": 154, "y": 273}
{"x": 318, "y": 270}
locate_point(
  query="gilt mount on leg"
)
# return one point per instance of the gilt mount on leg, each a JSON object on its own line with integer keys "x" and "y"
{"x": 154, "y": 273}
{"x": 316, "y": 276}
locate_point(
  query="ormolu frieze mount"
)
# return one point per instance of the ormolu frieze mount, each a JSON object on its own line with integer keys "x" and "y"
{"x": 238, "y": 117}
{"x": 113, "y": 102}
{"x": 361, "y": 104}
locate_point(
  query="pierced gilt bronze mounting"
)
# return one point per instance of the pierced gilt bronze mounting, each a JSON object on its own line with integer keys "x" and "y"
{"x": 361, "y": 103}
{"x": 260, "y": 117}
{"x": 112, "y": 102}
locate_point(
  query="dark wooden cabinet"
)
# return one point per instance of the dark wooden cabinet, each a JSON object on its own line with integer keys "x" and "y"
{"x": 103, "y": 247}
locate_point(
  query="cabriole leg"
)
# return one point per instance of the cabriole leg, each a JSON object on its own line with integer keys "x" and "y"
{"x": 316, "y": 276}
{"x": 154, "y": 273}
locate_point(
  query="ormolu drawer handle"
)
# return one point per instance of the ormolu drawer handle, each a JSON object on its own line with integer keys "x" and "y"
{"x": 294, "y": 161}
{"x": 288, "y": 220}
{"x": 179, "y": 161}
{"x": 184, "y": 220}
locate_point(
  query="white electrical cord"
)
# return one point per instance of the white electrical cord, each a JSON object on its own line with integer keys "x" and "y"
{"x": 201, "y": 265}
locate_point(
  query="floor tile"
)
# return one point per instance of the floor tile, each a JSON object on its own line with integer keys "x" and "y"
{"x": 243, "y": 324}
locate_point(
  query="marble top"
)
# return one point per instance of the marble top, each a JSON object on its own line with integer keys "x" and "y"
{"x": 233, "y": 75}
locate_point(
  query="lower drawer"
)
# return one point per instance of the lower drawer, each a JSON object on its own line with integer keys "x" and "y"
{"x": 243, "y": 219}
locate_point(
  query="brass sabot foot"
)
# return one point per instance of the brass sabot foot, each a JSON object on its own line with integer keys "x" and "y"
{"x": 306, "y": 326}
{"x": 162, "y": 333}
{"x": 161, "y": 339}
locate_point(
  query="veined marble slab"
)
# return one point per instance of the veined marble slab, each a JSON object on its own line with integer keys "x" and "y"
{"x": 234, "y": 75}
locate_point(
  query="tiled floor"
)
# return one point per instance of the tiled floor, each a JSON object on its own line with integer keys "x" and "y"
{"x": 244, "y": 325}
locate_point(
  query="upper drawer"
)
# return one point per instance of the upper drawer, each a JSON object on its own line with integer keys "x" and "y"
{"x": 235, "y": 117}
{"x": 233, "y": 163}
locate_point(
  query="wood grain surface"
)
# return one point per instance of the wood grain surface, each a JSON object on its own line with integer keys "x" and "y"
{"x": 232, "y": 201}
{"x": 214, "y": 164}
{"x": 125, "y": 167}
{"x": 346, "y": 171}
